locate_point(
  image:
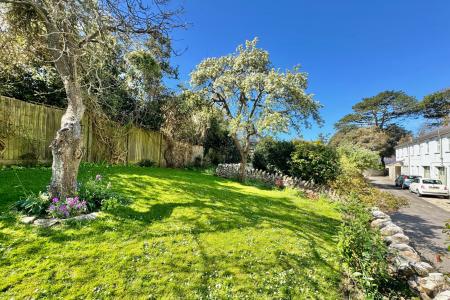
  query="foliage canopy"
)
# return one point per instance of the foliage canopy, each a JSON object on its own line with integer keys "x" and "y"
{"x": 255, "y": 98}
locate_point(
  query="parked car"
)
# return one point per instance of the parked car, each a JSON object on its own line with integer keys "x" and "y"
{"x": 403, "y": 181}
{"x": 428, "y": 186}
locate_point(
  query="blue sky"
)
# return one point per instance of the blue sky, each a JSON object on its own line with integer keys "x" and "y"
{"x": 350, "y": 49}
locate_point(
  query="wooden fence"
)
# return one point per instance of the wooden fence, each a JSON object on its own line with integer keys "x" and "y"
{"x": 27, "y": 129}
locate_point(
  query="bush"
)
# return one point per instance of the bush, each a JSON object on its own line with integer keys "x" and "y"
{"x": 354, "y": 158}
{"x": 315, "y": 161}
{"x": 362, "y": 251}
{"x": 34, "y": 204}
{"x": 97, "y": 193}
{"x": 364, "y": 257}
{"x": 146, "y": 163}
{"x": 197, "y": 161}
{"x": 28, "y": 159}
{"x": 353, "y": 161}
{"x": 218, "y": 146}
{"x": 272, "y": 155}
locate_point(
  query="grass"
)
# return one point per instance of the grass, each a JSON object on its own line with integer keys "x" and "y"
{"x": 185, "y": 235}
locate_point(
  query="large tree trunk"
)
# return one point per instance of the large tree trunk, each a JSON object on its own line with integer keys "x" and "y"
{"x": 169, "y": 155}
{"x": 67, "y": 147}
{"x": 242, "y": 167}
{"x": 243, "y": 152}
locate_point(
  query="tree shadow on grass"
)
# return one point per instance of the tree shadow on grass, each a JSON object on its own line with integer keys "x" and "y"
{"x": 183, "y": 205}
{"x": 221, "y": 206}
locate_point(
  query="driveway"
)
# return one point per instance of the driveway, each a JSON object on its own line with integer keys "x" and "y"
{"x": 423, "y": 221}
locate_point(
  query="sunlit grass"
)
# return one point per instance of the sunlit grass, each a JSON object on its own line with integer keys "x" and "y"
{"x": 184, "y": 235}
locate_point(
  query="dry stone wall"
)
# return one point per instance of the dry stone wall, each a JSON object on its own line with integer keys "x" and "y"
{"x": 406, "y": 263}
{"x": 275, "y": 179}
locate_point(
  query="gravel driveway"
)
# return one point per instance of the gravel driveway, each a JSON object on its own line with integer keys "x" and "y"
{"x": 423, "y": 221}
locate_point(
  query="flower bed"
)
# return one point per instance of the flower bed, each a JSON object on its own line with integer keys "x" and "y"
{"x": 71, "y": 206}
{"x": 93, "y": 195}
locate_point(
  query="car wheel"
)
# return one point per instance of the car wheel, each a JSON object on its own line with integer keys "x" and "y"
{"x": 418, "y": 193}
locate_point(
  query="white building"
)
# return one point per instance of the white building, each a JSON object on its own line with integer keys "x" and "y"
{"x": 427, "y": 156}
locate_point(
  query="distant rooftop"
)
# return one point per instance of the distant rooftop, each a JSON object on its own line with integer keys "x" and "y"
{"x": 426, "y": 136}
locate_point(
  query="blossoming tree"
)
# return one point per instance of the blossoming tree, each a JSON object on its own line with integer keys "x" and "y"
{"x": 255, "y": 98}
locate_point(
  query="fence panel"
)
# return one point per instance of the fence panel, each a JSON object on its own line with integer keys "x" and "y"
{"x": 27, "y": 129}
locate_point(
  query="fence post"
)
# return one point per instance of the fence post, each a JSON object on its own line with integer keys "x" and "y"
{"x": 128, "y": 149}
{"x": 160, "y": 147}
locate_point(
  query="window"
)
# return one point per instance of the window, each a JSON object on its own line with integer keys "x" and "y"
{"x": 431, "y": 181}
{"x": 426, "y": 172}
{"x": 417, "y": 150}
{"x": 447, "y": 144}
{"x": 442, "y": 174}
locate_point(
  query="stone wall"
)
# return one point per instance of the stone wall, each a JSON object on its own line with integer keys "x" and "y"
{"x": 275, "y": 179}
{"x": 405, "y": 262}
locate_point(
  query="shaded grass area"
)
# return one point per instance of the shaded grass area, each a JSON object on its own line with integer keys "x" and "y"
{"x": 184, "y": 235}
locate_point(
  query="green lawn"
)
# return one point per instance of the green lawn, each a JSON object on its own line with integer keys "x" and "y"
{"x": 185, "y": 235}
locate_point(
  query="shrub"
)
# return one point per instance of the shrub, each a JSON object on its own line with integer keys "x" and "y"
{"x": 353, "y": 161}
{"x": 315, "y": 161}
{"x": 97, "y": 192}
{"x": 197, "y": 162}
{"x": 362, "y": 251}
{"x": 354, "y": 158}
{"x": 273, "y": 155}
{"x": 218, "y": 146}
{"x": 364, "y": 257}
{"x": 34, "y": 204}
{"x": 28, "y": 159}
{"x": 146, "y": 163}
{"x": 70, "y": 207}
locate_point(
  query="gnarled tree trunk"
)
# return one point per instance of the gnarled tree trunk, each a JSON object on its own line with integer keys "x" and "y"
{"x": 243, "y": 152}
{"x": 242, "y": 167}
{"x": 67, "y": 147}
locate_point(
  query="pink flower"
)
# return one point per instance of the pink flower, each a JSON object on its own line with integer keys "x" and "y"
{"x": 98, "y": 177}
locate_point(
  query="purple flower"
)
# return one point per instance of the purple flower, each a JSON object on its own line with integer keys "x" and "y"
{"x": 98, "y": 177}
{"x": 71, "y": 202}
{"x": 55, "y": 200}
{"x": 52, "y": 208}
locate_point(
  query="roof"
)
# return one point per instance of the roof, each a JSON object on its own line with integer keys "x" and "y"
{"x": 429, "y": 135}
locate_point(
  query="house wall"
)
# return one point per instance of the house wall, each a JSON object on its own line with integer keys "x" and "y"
{"x": 426, "y": 158}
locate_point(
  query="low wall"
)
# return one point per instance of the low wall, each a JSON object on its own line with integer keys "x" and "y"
{"x": 406, "y": 263}
{"x": 275, "y": 179}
